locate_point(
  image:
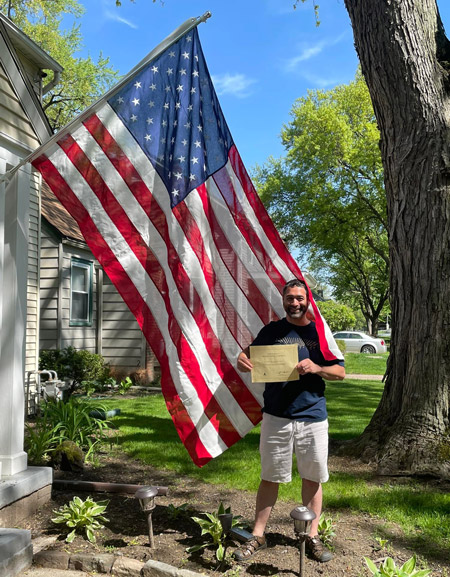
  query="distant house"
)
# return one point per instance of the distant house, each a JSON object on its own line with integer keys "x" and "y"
{"x": 79, "y": 306}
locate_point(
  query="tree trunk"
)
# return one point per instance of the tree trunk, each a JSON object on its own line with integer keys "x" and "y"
{"x": 405, "y": 59}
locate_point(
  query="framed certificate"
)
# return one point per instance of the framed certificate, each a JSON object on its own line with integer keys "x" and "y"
{"x": 274, "y": 363}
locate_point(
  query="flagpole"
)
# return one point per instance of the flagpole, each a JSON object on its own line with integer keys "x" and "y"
{"x": 166, "y": 43}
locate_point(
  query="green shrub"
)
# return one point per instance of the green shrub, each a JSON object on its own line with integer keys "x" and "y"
{"x": 326, "y": 531}
{"x": 40, "y": 440}
{"x": 76, "y": 422}
{"x": 82, "y": 517}
{"x": 78, "y": 365}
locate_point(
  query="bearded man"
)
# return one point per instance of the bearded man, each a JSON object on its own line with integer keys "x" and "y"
{"x": 294, "y": 419}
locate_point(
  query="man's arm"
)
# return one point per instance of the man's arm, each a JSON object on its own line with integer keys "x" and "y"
{"x": 329, "y": 373}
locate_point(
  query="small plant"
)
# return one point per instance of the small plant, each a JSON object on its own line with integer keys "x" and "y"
{"x": 82, "y": 517}
{"x": 40, "y": 441}
{"x": 389, "y": 569}
{"x": 213, "y": 527}
{"x": 125, "y": 385}
{"x": 174, "y": 512}
{"x": 382, "y": 544}
{"x": 326, "y": 531}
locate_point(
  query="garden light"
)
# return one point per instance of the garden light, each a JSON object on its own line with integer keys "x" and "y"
{"x": 146, "y": 496}
{"x": 302, "y": 517}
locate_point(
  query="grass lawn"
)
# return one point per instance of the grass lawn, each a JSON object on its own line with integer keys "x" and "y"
{"x": 146, "y": 433}
{"x": 359, "y": 363}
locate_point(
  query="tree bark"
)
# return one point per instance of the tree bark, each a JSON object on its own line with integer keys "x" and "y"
{"x": 405, "y": 57}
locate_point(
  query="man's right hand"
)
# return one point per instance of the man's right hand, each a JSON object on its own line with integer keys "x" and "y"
{"x": 243, "y": 363}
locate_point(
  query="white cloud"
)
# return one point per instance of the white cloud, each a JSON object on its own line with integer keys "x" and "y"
{"x": 115, "y": 14}
{"x": 310, "y": 51}
{"x": 235, "y": 84}
{"x": 321, "y": 81}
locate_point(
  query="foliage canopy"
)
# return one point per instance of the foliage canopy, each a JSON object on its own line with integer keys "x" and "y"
{"x": 326, "y": 195}
{"x": 83, "y": 80}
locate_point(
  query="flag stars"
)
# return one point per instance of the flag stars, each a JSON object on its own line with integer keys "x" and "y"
{"x": 137, "y": 85}
{"x": 153, "y": 86}
{"x": 149, "y": 120}
{"x": 178, "y": 175}
{"x": 167, "y": 88}
{"x": 194, "y": 160}
{"x": 193, "y": 90}
{"x": 192, "y": 176}
{"x": 166, "y": 106}
{"x": 178, "y": 105}
{"x": 179, "y": 88}
{"x": 184, "y": 142}
{"x": 175, "y": 192}
{"x": 148, "y": 137}
{"x": 182, "y": 71}
{"x": 135, "y": 101}
{"x": 200, "y": 127}
{"x": 134, "y": 118}
{"x": 185, "y": 55}
{"x": 120, "y": 100}
{"x": 195, "y": 74}
{"x": 164, "y": 123}
{"x": 172, "y": 54}
{"x": 187, "y": 125}
{"x": 154, "y": 69}
{"x": 151, "y": 104}
{"x": 182, "y": 159}
{"x": 169, "y": 71}
{"x": 197, "y": 144}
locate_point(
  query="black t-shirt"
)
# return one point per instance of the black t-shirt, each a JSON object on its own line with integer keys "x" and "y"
{"x": 303, "y": 399}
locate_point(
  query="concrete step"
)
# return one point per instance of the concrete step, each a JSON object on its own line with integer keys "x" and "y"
{"x": 16, "y": 551}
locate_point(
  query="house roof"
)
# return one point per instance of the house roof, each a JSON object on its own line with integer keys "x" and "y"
{"x": 57, "y": 216}
{"x": 23, "y": 43}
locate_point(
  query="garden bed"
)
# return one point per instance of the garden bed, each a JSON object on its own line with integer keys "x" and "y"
{"x": 126, "y": 531}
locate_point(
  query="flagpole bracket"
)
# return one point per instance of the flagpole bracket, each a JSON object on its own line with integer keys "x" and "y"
{"x": 205, "y": 16}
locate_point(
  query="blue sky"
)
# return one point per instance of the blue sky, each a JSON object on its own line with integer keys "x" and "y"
{"x": 262, "y": 54}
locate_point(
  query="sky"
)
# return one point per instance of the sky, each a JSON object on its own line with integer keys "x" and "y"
{"x": 261, "y": 54}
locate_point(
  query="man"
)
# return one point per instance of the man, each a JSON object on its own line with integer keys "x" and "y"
{"x": 294, "y": 418}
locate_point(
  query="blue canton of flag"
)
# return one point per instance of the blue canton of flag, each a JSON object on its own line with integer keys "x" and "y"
{"x": 172, "y": 111}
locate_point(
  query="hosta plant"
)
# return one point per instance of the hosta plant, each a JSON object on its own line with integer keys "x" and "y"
{"x": 389, "y": 569}
{"x": 213, "y": 527}
{"x": 326, "y": 531}
{"x": 82, "y": 517}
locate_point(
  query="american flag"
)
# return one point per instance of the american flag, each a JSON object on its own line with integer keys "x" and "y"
{"x": 160, "y": 193}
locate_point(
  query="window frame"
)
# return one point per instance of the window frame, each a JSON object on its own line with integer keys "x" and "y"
{"x": 89, "y": 266}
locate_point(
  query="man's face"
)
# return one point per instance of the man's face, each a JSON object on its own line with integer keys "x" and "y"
{"x": 295, "y": 302}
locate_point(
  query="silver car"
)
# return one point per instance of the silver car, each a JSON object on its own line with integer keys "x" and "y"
{"x": 356, "y": 342}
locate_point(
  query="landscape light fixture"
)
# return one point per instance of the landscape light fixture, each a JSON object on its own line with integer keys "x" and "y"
{"x": 226, "y": 520}
{"x": 302, "y": 517}
{"x": 146, "y": 496}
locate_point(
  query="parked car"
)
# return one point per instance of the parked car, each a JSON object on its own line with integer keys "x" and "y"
{"x": 356, "y": 342}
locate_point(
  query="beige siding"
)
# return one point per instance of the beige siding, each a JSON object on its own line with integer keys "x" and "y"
{"x": 122, "y": 340}
{"x": 14, "y": 122}
{"x": 49, "y": 272}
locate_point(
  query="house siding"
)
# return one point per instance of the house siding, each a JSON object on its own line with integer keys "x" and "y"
{"x": 13, "y": 121}
{"x": 114, "y": 332}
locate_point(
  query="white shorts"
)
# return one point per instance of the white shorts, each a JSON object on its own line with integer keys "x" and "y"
{"x": 280, "y": 437}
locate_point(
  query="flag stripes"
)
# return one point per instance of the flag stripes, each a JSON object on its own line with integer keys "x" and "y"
{"x": 202, "y": 273}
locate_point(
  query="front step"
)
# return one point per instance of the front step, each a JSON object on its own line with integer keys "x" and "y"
{"x": 16, "y": 551}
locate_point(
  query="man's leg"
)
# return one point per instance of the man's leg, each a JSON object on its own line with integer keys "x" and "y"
{"x": 312, "y": 498}
{"x": 265, "y": 500}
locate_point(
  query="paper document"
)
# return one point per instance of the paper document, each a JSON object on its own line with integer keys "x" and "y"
{"x": 274, "y": 363}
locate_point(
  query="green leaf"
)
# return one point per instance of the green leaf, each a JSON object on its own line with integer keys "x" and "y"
{"x": 371, "y": 565}
{"x": 409, "y": 566}
{"x": 71, "y": 536}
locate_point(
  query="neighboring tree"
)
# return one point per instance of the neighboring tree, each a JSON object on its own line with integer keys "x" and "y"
{"x": 338, "y": 316}
{"x": 83, "y": 80}
{"x": 327, "y": 195}
{"x": 405, "y": 59}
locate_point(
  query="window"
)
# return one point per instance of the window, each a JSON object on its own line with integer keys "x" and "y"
{"x": 81, "y": 292}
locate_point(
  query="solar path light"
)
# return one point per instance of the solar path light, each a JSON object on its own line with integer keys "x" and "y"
{"x": 146, "y": 496}
{"x": 302, "y": 517}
